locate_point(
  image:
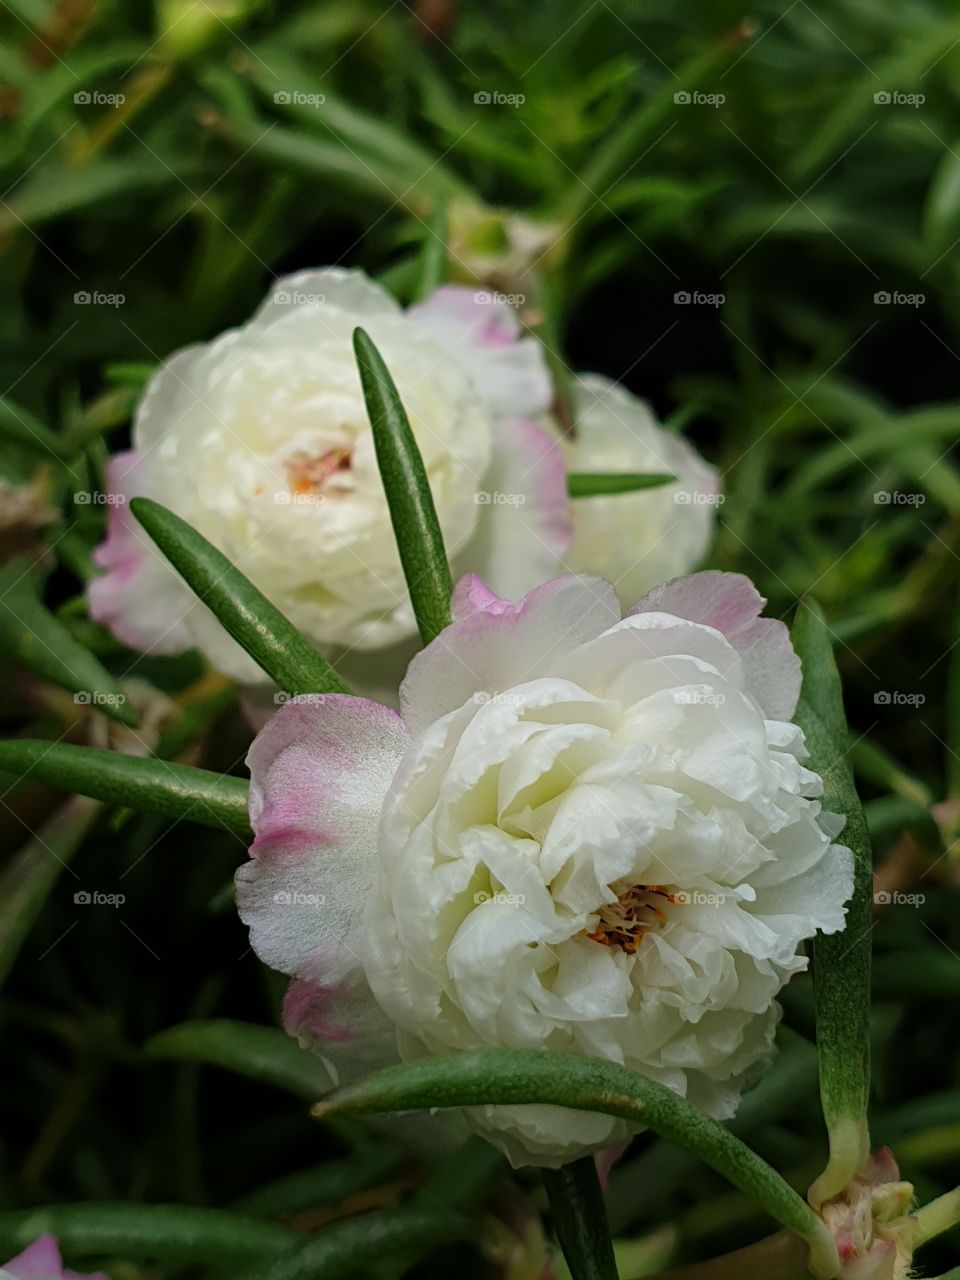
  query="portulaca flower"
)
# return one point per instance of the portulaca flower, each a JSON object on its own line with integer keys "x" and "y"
{"x": 42, "y": 1261}
{"x": 636, "y": 540}
{"x": 871, "y": 1222}
{"x": 583, "y": 833}
{"x": 260, "y": 440}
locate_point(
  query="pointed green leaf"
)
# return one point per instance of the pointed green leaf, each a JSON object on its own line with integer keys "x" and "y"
{"x": 415, "y": 523}
{"x": 37, "y": 640}
{"x": 261, "y": 1053}
{"x": 518, "y": 1076}
{"x": 592, "y": 484}
{"x": 157, "y": 786}
{"x": 841, "y": 961}
{"x": 580, "y": 1219}
{"x": 177, "y": 1234}
{"x": 273, "y": 642}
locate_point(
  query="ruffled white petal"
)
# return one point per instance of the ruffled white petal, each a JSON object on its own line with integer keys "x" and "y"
{"x": 481, "y": 332}
{"x": 639, "y": 539}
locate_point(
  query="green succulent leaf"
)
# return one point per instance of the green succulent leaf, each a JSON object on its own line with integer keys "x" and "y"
{"x": 273, "y": 642}
{"x": 137, "y": 782}
{"x": 176, "y": 1234}
{"x": 841, "y": 961}
{"x": 518, "y": 1076}
{"x": 594, "y": 484}
{"x": 414, "y": 516}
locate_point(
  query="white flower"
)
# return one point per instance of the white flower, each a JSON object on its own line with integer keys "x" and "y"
{"x": 583, "y": 834}
{"x": 636, "y": 540}
{"x": 261, "y": 441}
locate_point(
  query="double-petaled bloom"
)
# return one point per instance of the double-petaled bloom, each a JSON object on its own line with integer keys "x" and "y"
{"x": 582, "y": 833}
{"x": 261, "y": 441}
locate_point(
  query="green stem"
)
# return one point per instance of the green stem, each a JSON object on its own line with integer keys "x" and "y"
{"x": 937, "y": 1216}
{"x": 580, "y": 1220}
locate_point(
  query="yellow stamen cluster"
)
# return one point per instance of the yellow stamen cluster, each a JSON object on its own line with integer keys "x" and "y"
{"x": 626, "y": 922}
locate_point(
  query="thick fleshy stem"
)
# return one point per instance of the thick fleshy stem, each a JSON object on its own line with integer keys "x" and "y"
{"x": 936, "y": 1217}
{"x": 580, "y": 1220}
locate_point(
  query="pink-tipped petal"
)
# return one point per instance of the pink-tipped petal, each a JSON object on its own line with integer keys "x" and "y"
{"x": 318, "y": 773}
{"x": 495, "y": 648}
{"x": 525, "y": 528}
{"x": 343, "y": 1024}
{"x": 139, "y": 598}
{"x": 470, "y": 595}
{"x": 482, "y": 333}
{"x": 731, "y": 604}
{"x": 41, "y": 1261}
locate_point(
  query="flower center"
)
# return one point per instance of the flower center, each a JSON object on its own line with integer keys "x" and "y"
{"x": 307, "y": 473}
{"x": 637, "y": 910}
